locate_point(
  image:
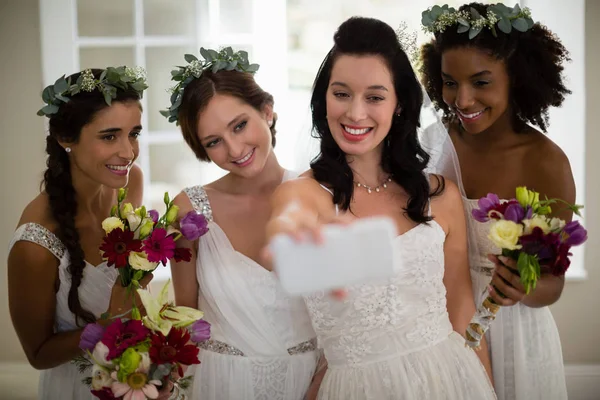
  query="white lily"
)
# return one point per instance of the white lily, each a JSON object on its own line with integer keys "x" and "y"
{"x": 162, "y": 315}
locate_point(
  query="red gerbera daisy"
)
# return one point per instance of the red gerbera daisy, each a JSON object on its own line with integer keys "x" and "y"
{"x": 159, "y": 246}
{"x": 104, "y": 394}
{"x": 117, "y": 245}
{"x": 173, "y": 349}
{"x": 119, "y": 336}
{"x": 182, "y": 254}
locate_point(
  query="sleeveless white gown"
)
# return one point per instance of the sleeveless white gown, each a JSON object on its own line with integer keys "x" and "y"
{"x": 394, "y": 340}
{"x": 64, "y": 382}
{"x": 524, "y": 344}
{"x": 262, "y": 344}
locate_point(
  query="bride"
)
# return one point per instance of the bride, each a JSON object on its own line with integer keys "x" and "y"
{"x": 396, "y": 339}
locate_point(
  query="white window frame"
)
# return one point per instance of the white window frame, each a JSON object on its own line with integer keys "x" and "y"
{"x": 61, "y": 44}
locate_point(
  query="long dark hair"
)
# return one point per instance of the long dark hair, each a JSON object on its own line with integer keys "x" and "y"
{"x": 403, "y": 157}
{"x": 534, "y": 61}
{"x": 66, "y": 126}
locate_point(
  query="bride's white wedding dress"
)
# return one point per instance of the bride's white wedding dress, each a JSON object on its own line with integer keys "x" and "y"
{"x": 394, "y": 340}
{"x": 64, "y": 382}
{"x": 262, "y": 343}
{"x": 524, "y": 343}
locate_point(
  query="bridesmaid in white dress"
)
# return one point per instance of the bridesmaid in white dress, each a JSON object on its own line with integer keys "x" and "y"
{"x": 490, "y": 103}
{"x": 394, "y": 339}
{"x": 57, "y": 281}
{"x": 262, "y": 343}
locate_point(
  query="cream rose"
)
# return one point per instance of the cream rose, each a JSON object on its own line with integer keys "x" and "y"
{"x": 140, "y": 261}
{"x": 537, "y": 221}
{"x": 111, "y": 223}
{"x": 100, "y": 378}
{"x": 556, "y": 224}
{"x": 505, "y": 234}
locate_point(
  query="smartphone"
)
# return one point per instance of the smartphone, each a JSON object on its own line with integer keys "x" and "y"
{"x": 352, "y": 254}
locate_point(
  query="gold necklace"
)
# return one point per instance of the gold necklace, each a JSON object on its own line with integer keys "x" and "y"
{"x": 377, "y": 188}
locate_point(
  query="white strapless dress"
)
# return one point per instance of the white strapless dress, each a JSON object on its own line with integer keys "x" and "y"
{"x": 394, "y": 340}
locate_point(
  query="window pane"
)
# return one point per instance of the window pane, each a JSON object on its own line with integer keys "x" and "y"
{"x": 105, "y": 18}
{"x": 173, "y": 167}
{"x": 312, "y": 23}
{"x": 236, "y": 16}
{"x": 102, "y": 57}
{"x": 159, "y": 63}
{"x": 167, "y": 18}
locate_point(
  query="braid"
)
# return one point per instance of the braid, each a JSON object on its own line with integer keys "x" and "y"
{"x": 63, "y": 205}
{"x": 66, "y": 125}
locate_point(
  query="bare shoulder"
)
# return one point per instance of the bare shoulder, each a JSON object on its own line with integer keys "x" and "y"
{"x": 304, "y": 190}
{"x": 29, "y": 256}
{"x": 38, "y": 212}
{"x": 304, "y": 186}
{"x": 448, "y": 204}
{"x": 447, "y": 191}
{"x": 548, "y": 169}
{"x": 184, "y": 203}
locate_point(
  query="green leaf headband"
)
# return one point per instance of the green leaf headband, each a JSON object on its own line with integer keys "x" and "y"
{"x": 111, "y": 79}
{"x": 224, "y": 59}
{"x": 437, "y": 19}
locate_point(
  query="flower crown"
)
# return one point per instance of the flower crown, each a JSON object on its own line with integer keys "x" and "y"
{"x": 111, "y": 79}
{"x": 436, "y": 19}
{"x": 224, "y": 59}
{"x": 408, "y": 41}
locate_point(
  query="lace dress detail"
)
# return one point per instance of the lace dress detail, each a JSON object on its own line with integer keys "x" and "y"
{"x": 268, "y": 341}
{"x": 64, "y": 382}
{"x": 524, "y": 343}
{"x": 394, "y": 340}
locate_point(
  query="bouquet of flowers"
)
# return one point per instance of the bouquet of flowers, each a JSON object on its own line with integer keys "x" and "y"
{"x": 524, "y": 231}
{"x": 138, "y": 240}
{"x": 133, "y": 359}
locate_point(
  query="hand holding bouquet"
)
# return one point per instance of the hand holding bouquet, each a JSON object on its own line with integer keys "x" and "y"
{"x": 134, "y": 359}
{"x": 524, "y": 231}
{"x": 138, "y": 240}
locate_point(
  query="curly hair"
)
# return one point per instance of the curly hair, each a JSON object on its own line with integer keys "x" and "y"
{"x": 534, "y": 62}
{"x": 66, "y": 126}
{"x": 200, "y": 91}
{"x": 403, "y": 157}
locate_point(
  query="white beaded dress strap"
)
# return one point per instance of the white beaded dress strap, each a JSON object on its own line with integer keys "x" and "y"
{"x": 199, "y": 200}
{"x": 37, "y": 234}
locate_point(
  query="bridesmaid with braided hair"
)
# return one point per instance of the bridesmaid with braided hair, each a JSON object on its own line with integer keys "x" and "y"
{"x": 57, "y": 281}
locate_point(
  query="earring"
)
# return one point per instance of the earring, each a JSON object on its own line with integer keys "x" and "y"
{"x": 270, "y": 123}
{"x": 68, "y": 149}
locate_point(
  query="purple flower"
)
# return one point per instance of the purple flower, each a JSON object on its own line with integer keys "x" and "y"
{"x": 200, "y": 331}
{"x": 486, "y": 204}
{"x": 91, "y": 335}
{"x": 154, "y": 215}
{"x": 573, "y": 234}
{"x": 193, "y": 225}
{"x": 514, "y": 212}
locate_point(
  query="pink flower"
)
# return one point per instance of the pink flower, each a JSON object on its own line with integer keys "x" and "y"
{"x": 136, "y": 387}
{"x": 159, "y": 246}
{"x": 119, "y": 336}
